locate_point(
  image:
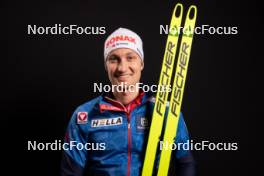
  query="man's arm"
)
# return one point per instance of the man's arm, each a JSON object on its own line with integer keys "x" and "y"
{"x": 185, "y": 166}
{"x": 182, "y": 158}
{"x": 73, "y": 160}
{"x": 69, "y": 167}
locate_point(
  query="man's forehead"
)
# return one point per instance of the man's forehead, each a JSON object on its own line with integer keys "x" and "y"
{"x": 123, "y": 51}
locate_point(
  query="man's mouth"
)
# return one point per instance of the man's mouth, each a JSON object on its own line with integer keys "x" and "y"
{"x": 122, "y": 77}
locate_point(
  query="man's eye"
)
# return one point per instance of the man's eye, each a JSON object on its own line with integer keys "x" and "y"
{"x": 130, "y": 58}
{"x": 113, "y": 59}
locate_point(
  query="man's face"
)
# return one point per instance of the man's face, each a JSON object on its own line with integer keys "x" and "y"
{"x": 124, "y": 65}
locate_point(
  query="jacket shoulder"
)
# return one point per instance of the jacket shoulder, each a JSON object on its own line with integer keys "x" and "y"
{"x": 89, "y": 105}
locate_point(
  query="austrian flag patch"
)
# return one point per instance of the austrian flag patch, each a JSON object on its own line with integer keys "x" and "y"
{"x": 82, "y": 117}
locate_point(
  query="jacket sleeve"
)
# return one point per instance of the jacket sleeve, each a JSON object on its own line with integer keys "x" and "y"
{"x": 182, "y": 157}
{"x": 185, "y": 166}
{"x": 69, "y": 167}
{"x": 73, "y": 159}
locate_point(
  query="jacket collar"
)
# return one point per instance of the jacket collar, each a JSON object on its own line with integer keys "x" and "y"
{"x": 109, "y": 103}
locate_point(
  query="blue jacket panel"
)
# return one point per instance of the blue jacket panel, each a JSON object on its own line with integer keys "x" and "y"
{"x": 112, "y": 142}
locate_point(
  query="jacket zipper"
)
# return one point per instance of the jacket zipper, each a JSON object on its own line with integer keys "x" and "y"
{"x": 129, "y": 149}
{"x": 129, "y": 142}
{"x": 128, "y": 135}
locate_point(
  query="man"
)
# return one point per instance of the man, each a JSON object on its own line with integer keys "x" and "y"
{"x": 116, "y": 125}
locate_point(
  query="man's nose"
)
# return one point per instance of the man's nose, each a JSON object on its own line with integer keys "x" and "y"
{"x": 122, "y": 66}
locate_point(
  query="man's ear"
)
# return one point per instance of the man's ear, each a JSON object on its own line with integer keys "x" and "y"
{"x": 142, "y": 65}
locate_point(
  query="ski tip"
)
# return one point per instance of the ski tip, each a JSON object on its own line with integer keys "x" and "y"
{"x": 178, "y": 10}
{"x": 192, "y": 12}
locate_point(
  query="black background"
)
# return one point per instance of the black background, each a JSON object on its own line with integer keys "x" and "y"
{"x": 50, "y": 75}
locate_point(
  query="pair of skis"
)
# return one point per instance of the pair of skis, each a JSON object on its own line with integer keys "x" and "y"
{"x": 177, "y": 90}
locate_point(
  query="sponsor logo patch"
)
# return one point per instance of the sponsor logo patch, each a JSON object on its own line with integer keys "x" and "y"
{"x": 106, "y": 122}
{"x": 82, "y": 117}
{"x": 142, "y": 123}
{"x": 121, "y": 38}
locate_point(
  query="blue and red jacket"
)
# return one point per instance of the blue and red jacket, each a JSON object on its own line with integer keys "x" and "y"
{"x": 115, "y": 137}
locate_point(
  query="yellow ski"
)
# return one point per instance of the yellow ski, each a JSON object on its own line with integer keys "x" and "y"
{"x": 162, "y": 95}
{"x": 177, "y": 91}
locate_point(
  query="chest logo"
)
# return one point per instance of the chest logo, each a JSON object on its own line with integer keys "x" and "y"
{"x": 82, "y": 117}
{"x": 142, "y": 123}
{"x": 106, "y": 122}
